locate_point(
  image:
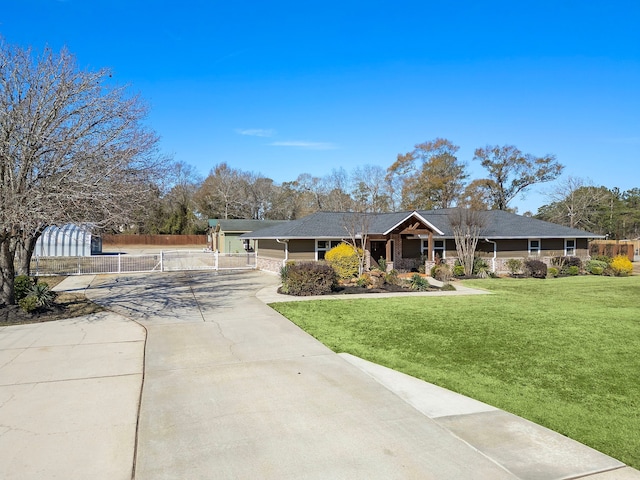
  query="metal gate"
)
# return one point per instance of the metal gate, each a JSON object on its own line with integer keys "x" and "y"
{"x": 169, "y": 261}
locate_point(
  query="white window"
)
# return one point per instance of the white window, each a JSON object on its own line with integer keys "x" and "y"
{"x": 534, "y": 247}
{"x": 438, "y": 248}
{"x": 570, "y": 247}
{"x": 323, "y": 246}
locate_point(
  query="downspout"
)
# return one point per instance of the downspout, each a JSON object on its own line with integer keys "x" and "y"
{"x": 286, "y": 250}
{"x": 495, "y": 254}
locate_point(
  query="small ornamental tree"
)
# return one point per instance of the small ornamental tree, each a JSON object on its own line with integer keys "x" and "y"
{"x": 345, "y": 260}
{"x": 466, "y": 225}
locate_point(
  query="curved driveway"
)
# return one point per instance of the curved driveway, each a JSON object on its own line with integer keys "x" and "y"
{"x": 232, "y": 390}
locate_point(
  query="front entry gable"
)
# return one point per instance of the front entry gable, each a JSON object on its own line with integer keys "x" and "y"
{"x": 414, "y": 224}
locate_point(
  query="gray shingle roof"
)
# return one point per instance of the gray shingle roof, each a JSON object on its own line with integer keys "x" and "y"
{"x": 242, "y": 225}
{"x": 498, "y": 224}
{"x": 501, "y": 224}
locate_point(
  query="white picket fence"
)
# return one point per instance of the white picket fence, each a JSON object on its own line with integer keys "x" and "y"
{"x": 165, "y": 261}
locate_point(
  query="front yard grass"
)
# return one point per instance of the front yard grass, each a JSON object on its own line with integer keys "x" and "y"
{"x": 564, "y": 353}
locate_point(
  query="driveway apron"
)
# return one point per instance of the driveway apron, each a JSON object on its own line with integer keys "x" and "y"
{"x": 233, "y": 390}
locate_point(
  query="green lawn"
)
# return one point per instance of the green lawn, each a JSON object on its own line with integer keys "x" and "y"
{"x": 564, "y": 353}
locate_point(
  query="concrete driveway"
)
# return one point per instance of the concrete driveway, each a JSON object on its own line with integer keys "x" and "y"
{"x": 233, "y": 390}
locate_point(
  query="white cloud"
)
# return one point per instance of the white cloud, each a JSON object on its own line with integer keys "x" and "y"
{"x": 306, "y": 145}
{"x": 256, "y": 132}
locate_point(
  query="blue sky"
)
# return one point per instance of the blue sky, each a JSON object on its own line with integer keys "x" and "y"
{"x": 288, "y": 87}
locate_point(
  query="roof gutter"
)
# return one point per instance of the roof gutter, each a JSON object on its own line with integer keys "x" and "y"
{"x": 495, "y": 254}
{"x": 286, "y": 250}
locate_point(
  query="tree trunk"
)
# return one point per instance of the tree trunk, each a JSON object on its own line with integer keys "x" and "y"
{"x": 7, "y": 271}
{"x": 24, "y": 252}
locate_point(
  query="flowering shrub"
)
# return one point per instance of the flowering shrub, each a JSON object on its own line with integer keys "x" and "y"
{"x": 344, "y": 260}
{"x": 621, "y": 266}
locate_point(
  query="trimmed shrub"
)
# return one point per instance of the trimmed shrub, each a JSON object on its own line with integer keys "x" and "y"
{"x": 458, "y": 271}
{"x": 602, "y": 258}
{"x": 621, "y": 266}
{"x": 514, "y": 265}
{"x": 553, "y": 272}
{"x": 536, "y": 268}
{"x": 447, "y": 287}
{"x": 344, "y": 260}
{"x": 28, "y": 304}
{"x": 564, "y": 264}
{"x": 573, "y": 270}
{"x": 22, "y": 285}
{"x": 592, "y": 265}
{"x": 310, "y": 278}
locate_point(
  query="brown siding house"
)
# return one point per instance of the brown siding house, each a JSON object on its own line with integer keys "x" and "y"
{"x": 408, "y": 239}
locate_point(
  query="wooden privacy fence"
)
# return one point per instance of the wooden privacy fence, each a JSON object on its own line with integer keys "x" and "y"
{"x": 169, "y": 261}
{"x": 611, "y": 248}
{"x": 157, "y": 240}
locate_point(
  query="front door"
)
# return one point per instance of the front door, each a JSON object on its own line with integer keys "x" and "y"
{"x": 378, "y": 251}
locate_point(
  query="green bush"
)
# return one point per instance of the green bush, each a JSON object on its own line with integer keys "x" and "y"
{"x": 344, "y": 260}
{"x": 590, "y": 265}
{"x": 553, "y": 272}
{"x": 573, "y": 270}
{"x": 382, "y": 264}
{"x": 43, "y": 294}
{"x": 310, "y": 278}
{"x": 28, "y": 303}
{"x": 392, "y": 277}
{"x": 433, "y": 271}
{"x": 480, "y": 267}
{"x": 535, "y": 268}
{"x": 458, "y": 271}
{"x": 22, "y": 285}
{"x": 602, "y": 258}
{"x": 284, "y": 271}
{"x": 363, "y": 280}
{"x": 514, "y": 265}
{"x": 565, "y": 264}
{"x": 419, "y": 283}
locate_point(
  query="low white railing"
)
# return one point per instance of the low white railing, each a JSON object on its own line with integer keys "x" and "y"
{"x": 165, "y": 261}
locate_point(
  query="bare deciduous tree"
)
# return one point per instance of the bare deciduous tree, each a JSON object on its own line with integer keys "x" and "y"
{"x": 222, "y": 194}
{"x": 357, "y": 225}
{"x": 466, "y": 225}
{"x": 72, "y": 149}
{"x": 574, "y": 202}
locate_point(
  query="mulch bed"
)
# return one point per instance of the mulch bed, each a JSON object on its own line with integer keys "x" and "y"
{"x": 67, "y": 305}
